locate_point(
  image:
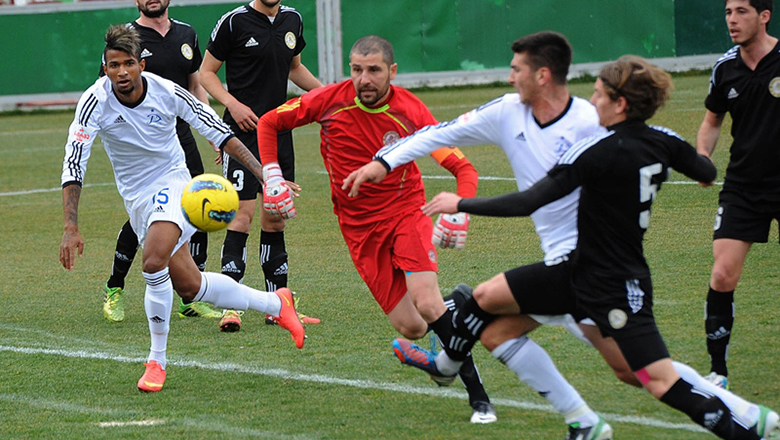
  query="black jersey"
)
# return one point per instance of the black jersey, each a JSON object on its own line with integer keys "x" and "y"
{"x": 752, "y": 97}
{"x": 257, "y": 55}
{"x": 174, "y": 56}
{"x": 620, "y": 173}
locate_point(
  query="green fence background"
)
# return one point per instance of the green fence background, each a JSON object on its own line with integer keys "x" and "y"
{"x": 52, "y": 52}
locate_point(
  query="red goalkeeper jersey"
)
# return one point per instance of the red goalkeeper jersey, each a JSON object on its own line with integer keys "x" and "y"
{"x": 351, "y": 134}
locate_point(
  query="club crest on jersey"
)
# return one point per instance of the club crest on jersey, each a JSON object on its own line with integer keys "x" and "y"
{"x": 774, "y": 87}
{"x": 562, "y": 146}
{"x": 617, "y": 318}
{"x": 154, "y": 118}
{"x": 390, "y": 137}
{"x": 290, "y": 40}
{"x": 81, "y": 135}
{"x": 186, "y": 50}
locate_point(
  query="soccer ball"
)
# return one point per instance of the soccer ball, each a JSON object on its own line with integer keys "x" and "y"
{"x": 209, "y": 202}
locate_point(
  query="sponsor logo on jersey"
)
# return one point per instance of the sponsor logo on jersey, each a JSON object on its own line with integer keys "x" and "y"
{"x": 774, "y": 87}
{"x": 159, "y": 208}
{"x": 466, "y": 117}
{"x": 186, "y": 50}
{"x": 120, "y": 120}
{"x": 617, "y": 318}
{"x": 145, "y": 53}
{"x": 390, "y": 137}
{"x": 733, "y": 94}
{"x": 521, "y": 137}
{"x": 81, "y": 135}
{"x": 252, "y": 42}
{"x": 290, "y": 40}
{"x": 432, "y": 256}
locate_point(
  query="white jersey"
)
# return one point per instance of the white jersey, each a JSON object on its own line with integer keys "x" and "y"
{"x": 532, "y": 151}
{"x": 140, "y": 141}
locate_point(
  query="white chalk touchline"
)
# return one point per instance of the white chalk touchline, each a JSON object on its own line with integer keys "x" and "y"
{"x": 356, "y": 383}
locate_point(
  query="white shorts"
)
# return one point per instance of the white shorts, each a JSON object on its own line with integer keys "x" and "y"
{"x": 566, "y": 321}
{"x": 162, "y": 202}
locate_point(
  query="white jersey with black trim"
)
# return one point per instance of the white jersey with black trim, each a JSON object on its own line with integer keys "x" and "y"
{"x": 532, "y": 150}
{"x": 140, "y": 141}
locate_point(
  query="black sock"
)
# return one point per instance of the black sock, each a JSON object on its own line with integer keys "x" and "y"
{"x": 470, "y": 321}
{"x": 470, "y": 377}
{"x": 711, "y": 413}
{"x": 457, "y": 348}
{"x": 126, "y": 248}
{"x": 234, "y": 255}
{"x": 199, "y": 243}
{"x": 273, "y": 258}
{"x": 718, "y": 324}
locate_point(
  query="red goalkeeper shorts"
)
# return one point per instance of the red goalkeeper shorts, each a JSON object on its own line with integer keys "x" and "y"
{"x": 385, "y": 250}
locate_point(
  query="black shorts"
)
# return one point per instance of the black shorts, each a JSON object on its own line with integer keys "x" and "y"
{"x": 190, "y": 147}
{"x": 544, "y": 290}
{"x": 744, "y": 216}
{"x": 623, "y": 309}
{"x": 242, "y": 179}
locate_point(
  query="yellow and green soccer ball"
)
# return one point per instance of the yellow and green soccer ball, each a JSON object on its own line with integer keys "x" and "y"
{"x": 209, "y": 202}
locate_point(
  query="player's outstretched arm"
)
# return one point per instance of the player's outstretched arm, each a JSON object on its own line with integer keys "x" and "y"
{"x": 372, "y": 172}
{"x": 72, "y": 243}
{"x": 707, "y": 136}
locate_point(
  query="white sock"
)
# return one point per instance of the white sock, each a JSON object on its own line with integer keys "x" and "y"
{"x": 534, "y": 367}
{"x": 158, "y": 302}
{"x": 446, "y": 365}
{"x": 224, "y": 292}
{"x": 741, "y": 410}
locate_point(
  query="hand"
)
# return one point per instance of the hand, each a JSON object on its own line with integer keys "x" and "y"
{"x": 244, "y": 117}
{"x": 277, "y": 200}
{"x": 277, "y": 195}
{"x": 444, "y": 202}
{"x": 71, "y": 244}
{"x": 450, "y": 230}
{"x": 372, "y": 172}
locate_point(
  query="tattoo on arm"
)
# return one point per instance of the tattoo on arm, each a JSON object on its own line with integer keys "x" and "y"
{"x": 70, "y": 204}
{"x": 238, "y": 151}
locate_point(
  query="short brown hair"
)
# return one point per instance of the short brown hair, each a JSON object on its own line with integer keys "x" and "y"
{"x": 373, "y": 44}
{"x": 123, "y": 38}
{"x": 645, "y": 86}
{"x": 546, "y": 49}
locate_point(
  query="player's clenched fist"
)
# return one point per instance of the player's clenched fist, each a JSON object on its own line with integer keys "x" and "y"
{"x": 277, "y": 196}
{"x": 450, "y": 230}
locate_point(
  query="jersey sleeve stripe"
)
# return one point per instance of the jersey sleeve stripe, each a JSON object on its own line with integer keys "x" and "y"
{"x": 74, "y": 160}
{"x": 197, "y": 108}
{"x": 580, "y": 147}
{"x": 86, "y": 110}
{"x": 667, "y": 131}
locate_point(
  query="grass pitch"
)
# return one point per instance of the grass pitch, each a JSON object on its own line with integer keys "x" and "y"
{"x": 69, "y": 374}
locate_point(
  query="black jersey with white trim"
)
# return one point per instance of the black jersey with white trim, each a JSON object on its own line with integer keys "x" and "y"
{"x": 620, "y": 174}
{"x": 257, "y": 55}
{"x": 752, "y": 98}
{"x": 174, "y": 56}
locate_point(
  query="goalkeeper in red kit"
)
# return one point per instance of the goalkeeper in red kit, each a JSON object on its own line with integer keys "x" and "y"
{"x": 391, "y": 242}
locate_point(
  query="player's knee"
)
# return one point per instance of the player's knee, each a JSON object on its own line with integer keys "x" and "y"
{"x": 724, "y": 277}
{"x": 154, "y": 263}
{"x": 484, "y": 295}
{"x": 272, "y": 223}
{"x": 411, "y": 331}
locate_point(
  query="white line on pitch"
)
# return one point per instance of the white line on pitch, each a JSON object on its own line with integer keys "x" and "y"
{"x": 355, "y": 383}
{"x": 115, "y": 424}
